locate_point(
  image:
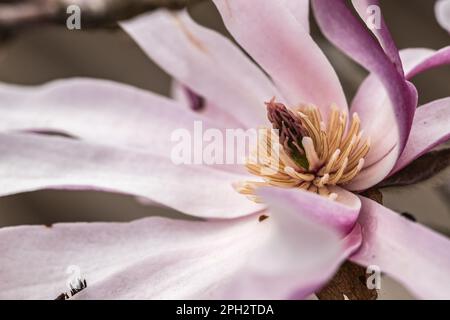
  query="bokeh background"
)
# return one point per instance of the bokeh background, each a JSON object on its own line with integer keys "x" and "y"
{"x": 40, "y": 54}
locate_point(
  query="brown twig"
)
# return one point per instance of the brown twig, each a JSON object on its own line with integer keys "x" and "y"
{"x": 348, "y": 283}
{"x": 17, "y": 14}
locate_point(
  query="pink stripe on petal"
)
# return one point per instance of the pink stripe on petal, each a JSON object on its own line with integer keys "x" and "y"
{"x": 430, "y": 128}
{"x": 270, "y": 33}
{"x": 29, "y": 163}
{"x": 208, "y": 62}
{"x": 414, "y": 255}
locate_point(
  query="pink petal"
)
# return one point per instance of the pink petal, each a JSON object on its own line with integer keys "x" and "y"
{"x": 442, "y": 11}
{"x": 410, "y": 253}
{"x": 373, "y": 107}
{"x": 430, "y": 128}
{"x": 365, "y": 9}
{"x": 30, "y": 162}
{"x": 208, "y": 62}
{"x": 110, "y": 113}
{"x": 97, "y": 110}
{"x": 349, "y": 34}
{"x": 339, "y": 215}
{"x": 270, "y": 33}
{"x": 155, "y": 258}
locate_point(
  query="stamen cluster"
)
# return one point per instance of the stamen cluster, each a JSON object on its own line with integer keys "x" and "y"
{"x": 305, "y": 152}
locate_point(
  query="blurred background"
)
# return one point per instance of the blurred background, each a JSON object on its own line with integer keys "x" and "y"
{"x": 37, "y": 55}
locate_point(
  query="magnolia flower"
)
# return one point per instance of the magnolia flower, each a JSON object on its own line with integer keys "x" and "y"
{"x": 442, "y": 11}
{"x": 310, "y": 219}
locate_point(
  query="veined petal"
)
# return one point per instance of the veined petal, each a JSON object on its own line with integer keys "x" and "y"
{"x": 30, "y": 162}
{"x": 206, "y": 61}
{"x": 339, "y": 215}
{"x": 442, "y": 11}
{"x": 410, "y": 253}
{"x": 371, "y": 8}
{"x": 156, "y": 258}
{"x": 350, "y": 34}
{"x": 271, "y": 34}
{"x": 430, "y": 128}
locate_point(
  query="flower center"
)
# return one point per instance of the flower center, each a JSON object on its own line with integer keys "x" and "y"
{"x": 304, "y": 152}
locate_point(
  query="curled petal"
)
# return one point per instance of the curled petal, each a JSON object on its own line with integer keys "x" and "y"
{"x": 351, "y": 35}
{"x": 373, "y": 106}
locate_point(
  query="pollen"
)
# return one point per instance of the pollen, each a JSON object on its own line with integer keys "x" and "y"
{"x": 302, "y": 151}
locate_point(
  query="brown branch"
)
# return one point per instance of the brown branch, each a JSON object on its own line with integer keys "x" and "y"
{"x": 348, "y": 283}
{"x": 18, "y": 14}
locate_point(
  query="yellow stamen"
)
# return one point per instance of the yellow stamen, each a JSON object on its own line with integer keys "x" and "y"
{"x": 334, "y": 151}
